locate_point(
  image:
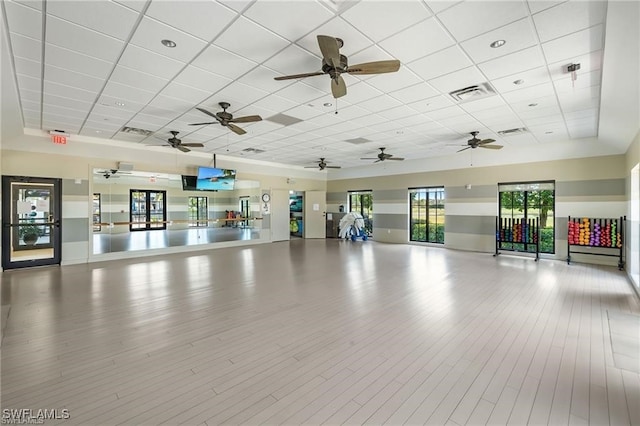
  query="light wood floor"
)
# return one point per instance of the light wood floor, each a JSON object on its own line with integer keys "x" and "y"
{"x": 320, "y": 332}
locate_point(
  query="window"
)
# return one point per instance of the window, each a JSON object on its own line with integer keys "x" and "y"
{"x": 362, "y": 202}
{"x": 529, "y": 200}
{"x": 148, "y": 210}
{"x": 426, "y": 215}
{"x": 198, "y": 211}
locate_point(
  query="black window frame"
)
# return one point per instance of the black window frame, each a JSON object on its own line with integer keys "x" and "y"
{"x": 437, "y": 235}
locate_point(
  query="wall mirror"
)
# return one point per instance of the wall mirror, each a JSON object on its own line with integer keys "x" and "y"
{"x": 135, "y": 210}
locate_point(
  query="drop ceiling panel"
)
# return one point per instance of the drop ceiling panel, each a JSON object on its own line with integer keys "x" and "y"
{"x": 150, "y": 34}
{"x": 65, "y": 102}
{"x": 71, "y": 78}
{"x": 242, "y": 94}
{"x": 581, "y": 42}
{"x": 432, "y": 104}
{"x": 28, "y": 67}
{"x": 149, "y": 62}
{"x": 529, "y": 94}
{"x": 134, "y": 78}
{"x": 414, "y": 93}
{"x": 394, "y": 81}
{"x": 127, "y": 93}
{"x": 202, "y": 80}
{"x": 469, "y": 19}
{"x": 263, "y": 78}
{"x": 185, "y": 93}
{"x": 250, "y": 40}
{"x": 26, "y": 47}
{"x": 529, "y": 78}
{"x": 490, "y": 102}
{"x": 100, "y": 16}
{"x": 308, "y": 15}
{"x": 28, "y": 83}
{"x": 83, "y": 40}
{"x": 202, "y": 19}
{"x": 421, "y": 39}
{"x": 24, "y": 20}
{"x": 457, "y": 80}
{"x": 523, "y": 60}
{"x": 440, "y": 63}
{"x": 69, "y": 92}
{"x": 568, "y": 17}
{"x": 64, "y": 58}
{"x": 380, "y": 103}
{"x": 583, "y": 79}
{"x": 300, "y": 93}
{"x": 518, "y": 35}
{"x": 372, "y": 17}
{"x": 588, "y": 62}
{"x": 220, "y": 61}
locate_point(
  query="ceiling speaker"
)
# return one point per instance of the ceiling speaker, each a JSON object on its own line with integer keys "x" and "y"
{"x": 125, "y": 167}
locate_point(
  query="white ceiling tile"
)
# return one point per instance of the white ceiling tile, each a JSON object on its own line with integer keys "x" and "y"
{"x": 432, "y": 104}
{"x": 100, "y": 16}
{"x": 66, "y": 102}
{"x": 519, "y": 140}
{"x": 440, "y": 63}
{"x": 276, "y": 103}
{"x": 530, "y": 78}
{"x": 65, "y": 58}
{"x": 457, "y": 80}
{"x": 588, "y": 62}
{"x": 354, "y": 40}
{"x": 490, "y": 102}
{"x": 237, "y": 5}
{"x": 30, "y": 105}
{"x": 536, "y": 107}
{"x": 372, "y": 17}
{"x": 63, "y": 115}
{"x": 37, "y": 5}
{"x": 119, "y": 107}
{"x": 150, "y": 33}
{"x": 127, "y": 93}
{"x": 202, "y": 19}
{"x": 438, "y": 6}
{"x": 536, "y": 6}
{"x": 380, "y": 103}
{"x": 303, "y": 112}
{"x": 263, "y": 78}
{"x": 421, "y": 39}
{"x": 444, "y": 113}
{"x": 133, "y": 78}
{"x": 591, "y": 113}
{"x": 414, "y": 93}
{"x": 518, "y": 35}
{"x": 217, "y": 60}
{"x": 469, "y": 19}
{"x": 69, "y": 91}
{"x": 72, "y": 78}
{"x": 110, "y": 115}
{"x": 308, "y": 15}
{"x": 530, "y": 93}
{"x": 173, "y": 107}
{"x": 32, "y": 96}
{"x": 28, "y": 67}
{"x": 82, "y": 40}
{"x": 241, "y": 94}
{"x": 583, "y": 79}
{"x": 398, "y": 112}
{"x": 579, "y": 43}
{"x": 202, "y": 80}
{"x": 300, "y": 93}
{"x": 568, "y": 17}
{"x": 162, "y": 113}
{"x": 26, "y": 47}
{"x": 514, "y": 63}
{"x": 149, "y": 62}
{"x": 250, "y": 40}
{"x": 534, "y": 116}
{"x": 24, "y": 20}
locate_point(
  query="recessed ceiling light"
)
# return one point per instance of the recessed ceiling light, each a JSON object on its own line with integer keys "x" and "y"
{"x": 327, "y": 104}
{"x": 518, "y": 82}
{"x": 168, "y": 43}
{"x": 532, "y": 105}
{"x": 119, "y": 103}
{"x": 497, "y": 43}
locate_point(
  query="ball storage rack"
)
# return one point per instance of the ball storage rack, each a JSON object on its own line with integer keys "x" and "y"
{"x": 601, "y": 236}
{"x": 524, "y": 233}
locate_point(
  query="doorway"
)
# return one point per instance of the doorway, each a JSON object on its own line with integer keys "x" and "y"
{"x": 148, "y": 210}
{"x": 31, "y": 212}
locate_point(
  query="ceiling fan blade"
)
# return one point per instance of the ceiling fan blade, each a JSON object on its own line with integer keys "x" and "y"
{"x": 338, "y": 87}
{"x": 463, "y": 149}
{"x": 378, "y": 67}
{"x": 332, "y": 167}
{"x": 330, "y": 49}
{"x": 193, "y": 144}
{"x": 247, "y": 119}
{"x": 490, "y": 146}
{"x": 369, "y": 158}
{"x": 486, "y": 141}
{"x": 203, "y": 124}
{"x": 395, "y": 158}
{"x": 235, "y": 129}
{"x": 293, "y": 76}
{"x": 208, "y": 113}
{"x": 182, "y": 148}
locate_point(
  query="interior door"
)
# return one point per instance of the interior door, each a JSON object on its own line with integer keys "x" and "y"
{"x": 280, "y": 215}
{"x": 31, "y": 229}
{"x": 315, "y": 212}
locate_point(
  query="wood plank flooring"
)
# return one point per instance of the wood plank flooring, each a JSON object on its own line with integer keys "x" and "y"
{"x": 319, "y": 332}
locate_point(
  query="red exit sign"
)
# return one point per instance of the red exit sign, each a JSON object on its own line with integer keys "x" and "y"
{"x": 59, "y": 139}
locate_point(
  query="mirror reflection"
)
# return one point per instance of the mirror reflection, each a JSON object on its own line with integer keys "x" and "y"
{"x": 135, "y": 210}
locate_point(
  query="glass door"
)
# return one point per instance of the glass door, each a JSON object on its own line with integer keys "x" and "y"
{"x": 148, "y": 210}
{"x": 31, "y": 211}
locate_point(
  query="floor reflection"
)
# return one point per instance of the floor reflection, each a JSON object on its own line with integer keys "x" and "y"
{"x": 155, "y": 239}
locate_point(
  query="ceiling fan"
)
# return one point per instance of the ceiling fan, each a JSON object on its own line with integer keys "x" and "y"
{"x": 226, "y": 119}
{"x": 174, "y": 142}
{"x": 334, "y": 64}
{"x": 109, "y": 173}
{"x": 474, "y": 142}
{"x": 322, "y": 165}
{"x": 382, "y": 156}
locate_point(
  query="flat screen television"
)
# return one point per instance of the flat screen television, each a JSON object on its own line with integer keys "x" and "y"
{"x": 214, "y": 179}
{"x": 189, "y": 183}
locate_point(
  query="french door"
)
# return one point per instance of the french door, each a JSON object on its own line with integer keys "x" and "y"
{"x": 148, "y": 210}
{"x": 31, "y": 228}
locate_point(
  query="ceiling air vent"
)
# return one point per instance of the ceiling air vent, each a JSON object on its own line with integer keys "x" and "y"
{"x": 473, "y": 93}
{"x": 284, "y": 119}
{"x": 516, "y": 131}
{"x": 135, "y": 131}
{"x": 358, "y": 141}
